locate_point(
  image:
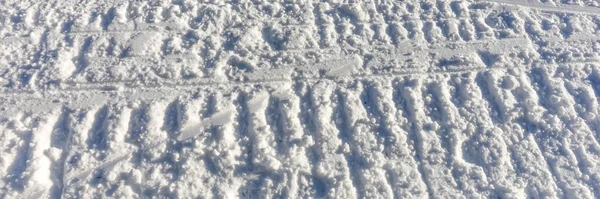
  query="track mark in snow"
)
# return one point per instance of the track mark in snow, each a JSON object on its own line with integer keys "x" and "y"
{"x": 585, "y": 103}
{"x": 401, "y": 168}
{"x": 593, "y": 82}
{"x": 97, "y": 161}
{"x": 524, "y": 152}
{"x": 61, "y": 135}
{"x": 401, "y": 101}
{"x": 100, "y": 163}
{"x": 427, "y": 145}
{"x": 263, "y": 153}
{"x": 331, "y": 167}
{"x": 173, "y": 121}
{"x": 483, "y": 144}
{"x": 38, "y": 170}
{"x": 262, "y": 158}
{"x": 98, "y": 137}
{"x": 297, "y": 164}
{"x": 138, "y": 129}
{"x": 551, "y": 138}
{"x": 347, "y": 149}
{"x": 81, "y": 122}
{"x": 471, "y": 178}
{"x": 14, "y": 168}
{"x": 306, "y": 105}
{"x": 495, "y": 97}
{"x": 241, "y": 128}
{"x": 580, "y": 139}
{"x": 227, "y": 148}
{"x": 366, "y": 145}
{"x": 150, "y": 143}
{"x": 173, "y": 117}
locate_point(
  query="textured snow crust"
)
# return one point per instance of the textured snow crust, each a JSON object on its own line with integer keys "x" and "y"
{"x": 300, "y": 99}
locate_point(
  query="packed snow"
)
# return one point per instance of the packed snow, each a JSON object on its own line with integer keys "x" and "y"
{"x": 300, "y": 99}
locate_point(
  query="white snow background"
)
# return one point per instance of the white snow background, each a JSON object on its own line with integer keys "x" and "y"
{"x": 300, "y": 99}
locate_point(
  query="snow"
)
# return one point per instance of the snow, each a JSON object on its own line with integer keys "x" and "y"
{"x": 302, "y": 99}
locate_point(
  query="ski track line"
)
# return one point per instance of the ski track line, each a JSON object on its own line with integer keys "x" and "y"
{"x": 495, "y": 46}
{"x": 444, "y": 51}
{"x": 81, "y": 87}
{"x": 117, "y": 85}
{"x": 551, "y": 8}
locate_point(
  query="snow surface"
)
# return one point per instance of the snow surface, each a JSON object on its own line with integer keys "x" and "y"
{"x": 300, "y": 99}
